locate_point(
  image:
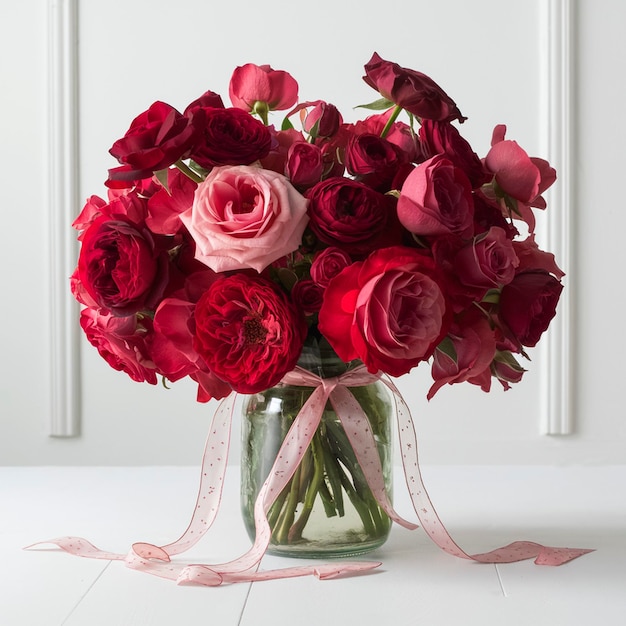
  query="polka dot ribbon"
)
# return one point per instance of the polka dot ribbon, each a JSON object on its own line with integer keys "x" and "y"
{"x": 157, "y": 560}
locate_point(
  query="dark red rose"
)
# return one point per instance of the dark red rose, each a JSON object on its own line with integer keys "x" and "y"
{"x": 248, "y": 332}
{"x": 373, "y": 160}
{"x": 155, "y": 140}
{"x": 413, "y": 91}
{"x": 528, "y": 304}
{"x": 307, "y": 296}
{"x": 230, "y": 137}
{"x": 351, "y": 215}
{"x": 443, "y": 138}
{"x": 327, "y": 264}
{"x": 304, "y": 164}
{"x": 121, "y": 342}
{"x": 119, "y": 266}
{"x": 208, "y": 100}
{"x": 389, "y": 311}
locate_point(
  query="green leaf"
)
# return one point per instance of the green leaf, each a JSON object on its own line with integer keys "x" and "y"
{"x": 381, "y": 104}
{"x": 447, "y": 347}
{"x": 161, "y": 176}
{"x": 286, "y": 125}
{"x": 492, "y": 296}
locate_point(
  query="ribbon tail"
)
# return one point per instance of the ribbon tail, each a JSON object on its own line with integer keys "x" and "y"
{"x": 428, "y": 517}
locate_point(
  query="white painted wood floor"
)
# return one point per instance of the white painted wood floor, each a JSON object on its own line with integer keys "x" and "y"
{"x": 483, "y": 508}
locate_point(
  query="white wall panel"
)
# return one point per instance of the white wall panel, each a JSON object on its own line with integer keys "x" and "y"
{"x": 489, "y": 55}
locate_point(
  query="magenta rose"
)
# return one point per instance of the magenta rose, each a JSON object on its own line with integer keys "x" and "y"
{"x": 444, "y": 138}
{"x": 245, "y": 217}
{"x": 389, "y": 310}
{"x": 413, "y": 91}
{"x": 251, "y": 83}
{"x": 489, "y": 261}
{"x": 304, "y": 165}
{"x": 436, "y": 199}
{"x": 527, "y": 305}
{"x": 465, "y": 355}
{"x": 327, "y": 264}
{"x": 121, "y": 342}
{"x": 352, "y": 216}
{"x": 120, "y": 267}
{"x": 155, "y": 140}
{"x": 230, "y": 137}
{"x": 248, "y": 332}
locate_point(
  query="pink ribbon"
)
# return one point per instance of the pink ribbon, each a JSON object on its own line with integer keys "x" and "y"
{"x": 156, "y": 560}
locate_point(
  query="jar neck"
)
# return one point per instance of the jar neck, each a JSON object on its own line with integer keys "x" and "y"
{"x": 319, "y": 358}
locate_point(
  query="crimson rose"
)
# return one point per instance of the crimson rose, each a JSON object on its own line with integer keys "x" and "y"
{"x": 352, "y": 216}
{"x": 248, "y": 332}
{"x": 120, "y": 267}
{"x": 528, "y": 304}
{"x": 389, "y": 310}
{"x": 413, "y": 91}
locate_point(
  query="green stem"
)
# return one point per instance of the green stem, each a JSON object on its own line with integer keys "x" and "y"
{"x": 187, "y": 171}
{"x": 281, "y": 531}
{"x": 391, "y": 120}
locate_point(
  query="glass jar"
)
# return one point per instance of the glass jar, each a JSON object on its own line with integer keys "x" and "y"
{"x": 327, "y": 509}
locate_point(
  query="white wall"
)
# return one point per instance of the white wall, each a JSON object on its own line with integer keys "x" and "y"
{"x": 488, "y": 54}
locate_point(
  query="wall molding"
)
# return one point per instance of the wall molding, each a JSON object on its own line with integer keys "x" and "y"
{"x": 62, "y": 193}
{"x": 558, "y": 379}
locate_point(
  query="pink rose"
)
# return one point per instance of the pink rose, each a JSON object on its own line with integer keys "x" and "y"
{"x": 436, "y": 199}
{"x": 506, "y": 369}
{"x": 245, "y": 217}
{"x": 252, "y": 83}
{"x": 489, "y": 261}
{"x": 413, "y": 91}
{"x": 465, "y": 355}
{"x": 389, "y": 310}
{"x": 248, "y": 332}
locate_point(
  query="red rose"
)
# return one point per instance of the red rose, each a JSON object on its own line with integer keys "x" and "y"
{"x": 166, "y": 205}
{"x": 528, "y": 304}
{"x": 389, "y": 310}
{"x": 443, "y": 138}
{"x": 252, "y": 83}
{"x": 436, "y": 199}
{"x": 307, "y": 296}
{"x": 350, "y": 215}
{"x": 327, "y": 264}
{"x": 373, "y": 160}
{"x": 247, "y": 332}
{"x": 231, "y": 137}
{"x": 119, "y": 266}
{"x": 413, "y": 91}
{"x": 304, "y": 165}
{"x": 155, "y": 140}
{"x": 121, "y": 342}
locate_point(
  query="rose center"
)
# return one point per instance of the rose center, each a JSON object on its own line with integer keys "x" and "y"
{"x": 253, "y": 330}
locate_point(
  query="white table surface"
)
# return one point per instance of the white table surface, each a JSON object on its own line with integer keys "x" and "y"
{"x": 482, "y": 507}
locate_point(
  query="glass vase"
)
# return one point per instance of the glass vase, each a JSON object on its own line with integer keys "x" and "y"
{"x": 327, "y": 509}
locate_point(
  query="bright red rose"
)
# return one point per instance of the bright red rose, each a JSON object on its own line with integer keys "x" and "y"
{"x": 208, "y": 100}
{"x": 121, "y": 342}
{"x": 155, "y": 140}
{"x": 252, "y": 83}
{"x": 352, "y": 216}
{"x": 231, "y": 137}
{"x": 413, "y": 91}
{"x": 389, "y": 310}
{"x": 466, "y": 354}
{"x": 119, "y": 266}
{"x": 327, "y": 264}
{"x": 488, "y": 261}
{"x": 444, "y": 138}
{"x": 304, "y": 164}
{"x": 527, "y": 306}
{"x": 436, "y": 199}
{"x": 248, "y": 332}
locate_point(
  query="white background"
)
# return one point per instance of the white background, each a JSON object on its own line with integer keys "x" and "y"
{"x": 487, "y": 54}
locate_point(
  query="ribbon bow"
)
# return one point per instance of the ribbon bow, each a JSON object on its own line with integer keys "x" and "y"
{"x": 156, "y": 560}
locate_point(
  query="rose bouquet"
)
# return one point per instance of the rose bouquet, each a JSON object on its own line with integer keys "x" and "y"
{"x": 228, "y": 248}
